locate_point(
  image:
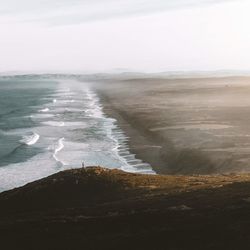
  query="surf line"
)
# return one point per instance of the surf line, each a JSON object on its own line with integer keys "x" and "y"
{"x": 30, "y": 139}
{"x": 58, "y": 149}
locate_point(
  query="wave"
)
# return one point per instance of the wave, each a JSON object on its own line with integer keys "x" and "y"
{"x": 9, "y": 154}
{"x": 57, "y": 150}
{"x": 54, "y": 101}
{"x": 44, "y": 110}
{"x": 30, "y": 139}
{"x": 67, "y": 101}
{"x": 95, "y": 109}
{"x": 95, "y": 112}
{"x": 43, "y": 115}
{"x": 11, "y": 112}
{"x": 54, "y": 123}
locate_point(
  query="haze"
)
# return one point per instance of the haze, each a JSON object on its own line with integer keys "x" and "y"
{"x": 138, "y": 35}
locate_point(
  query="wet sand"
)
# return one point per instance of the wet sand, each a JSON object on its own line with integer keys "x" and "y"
{"x": 183, "y": 126}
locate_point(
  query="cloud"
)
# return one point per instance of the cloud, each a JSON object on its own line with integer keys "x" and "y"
{"x": 67, "y": 12}
{"x": 190, "y": 38}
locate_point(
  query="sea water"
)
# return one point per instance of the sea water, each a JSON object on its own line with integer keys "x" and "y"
{"x": 47, "y": 126}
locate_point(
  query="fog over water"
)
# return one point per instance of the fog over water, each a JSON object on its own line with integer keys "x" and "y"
{"x": 143, "y": 35}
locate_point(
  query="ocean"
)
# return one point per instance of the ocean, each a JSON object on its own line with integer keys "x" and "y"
{"x": 47, "y": 126}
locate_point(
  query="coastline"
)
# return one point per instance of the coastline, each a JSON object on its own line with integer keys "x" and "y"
{"x": 144, "y": 145}
{"x": 195, "y": 207}
{"x": 182, "y": 126}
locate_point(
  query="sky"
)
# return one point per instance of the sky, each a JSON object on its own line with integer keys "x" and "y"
{"x": 124, "y": 35}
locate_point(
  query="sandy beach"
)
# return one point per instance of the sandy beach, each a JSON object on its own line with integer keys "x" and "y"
{"x": 183, "y": 126}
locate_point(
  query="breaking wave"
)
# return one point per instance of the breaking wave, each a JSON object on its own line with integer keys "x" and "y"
{"x": 59, "y": 147}
{"x": 44, "y": 110}
{"x": 30, "y": 139}
{"x": 54, "y": 123}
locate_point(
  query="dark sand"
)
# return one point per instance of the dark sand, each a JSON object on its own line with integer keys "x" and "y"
{"x": 184, "y": 126}
{"x": 97, "y": 209}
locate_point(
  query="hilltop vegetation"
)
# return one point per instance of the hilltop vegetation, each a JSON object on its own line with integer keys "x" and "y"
{"x": 96, "y": 208}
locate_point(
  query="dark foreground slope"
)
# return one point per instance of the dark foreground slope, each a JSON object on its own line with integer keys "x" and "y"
{"x": 96, "y": 208}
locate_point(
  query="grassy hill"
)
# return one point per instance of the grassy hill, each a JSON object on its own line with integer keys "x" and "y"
{"x": 96, "y": 208}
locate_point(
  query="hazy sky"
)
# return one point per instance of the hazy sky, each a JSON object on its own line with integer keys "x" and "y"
{"x": 142, "y": 35}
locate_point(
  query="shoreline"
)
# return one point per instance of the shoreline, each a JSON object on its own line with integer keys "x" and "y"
{"x": 145, "y": 147}
{"x": 183, "y": 126}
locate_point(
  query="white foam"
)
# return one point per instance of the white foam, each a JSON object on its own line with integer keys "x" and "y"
{"x": 18, "y": 174}
{"x": 67, "y": 101}
{"x": 30, "y": 139}
{"x": 54, "y": 123}
{"x": 43, "y": 115}
{"x": 44, "y": 110}
{"x": 59, "y": 147}
{"x": 117, "y": 136}
{"x": 72, "y": 124}
{"x": 95, "y": 109}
